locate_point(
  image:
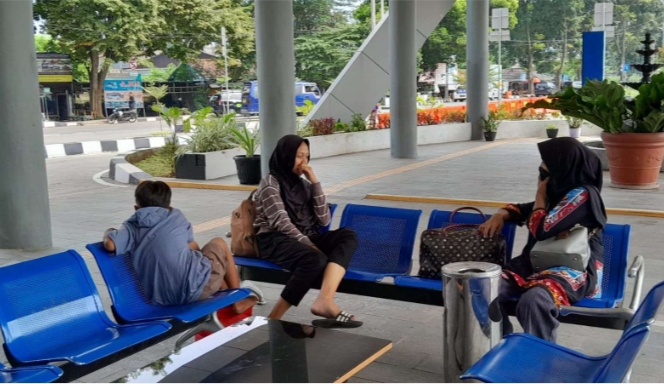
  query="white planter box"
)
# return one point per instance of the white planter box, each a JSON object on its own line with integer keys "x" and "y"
{"x": 517, "y": 129}
{"x": 344, "y": 143}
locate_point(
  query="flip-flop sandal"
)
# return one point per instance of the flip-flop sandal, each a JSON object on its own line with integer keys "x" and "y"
{"x": 343, "y": 320}
{"x": 255, "y": 292}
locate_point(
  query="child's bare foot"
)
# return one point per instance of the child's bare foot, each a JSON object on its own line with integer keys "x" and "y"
{"x": 244, "y": 304}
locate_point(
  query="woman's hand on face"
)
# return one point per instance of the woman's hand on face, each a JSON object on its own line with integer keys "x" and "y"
{"x": 493, "y": 226}
{"x": 541, "y": 187}
{"x": 309, "y": 173}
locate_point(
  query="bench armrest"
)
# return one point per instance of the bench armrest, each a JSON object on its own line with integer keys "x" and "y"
{"x": 637, "y": 270}
{"x": 620, "y": 313}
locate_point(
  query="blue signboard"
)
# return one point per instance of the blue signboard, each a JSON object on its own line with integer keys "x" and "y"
{"x": 593, "y": 56}
{"x": 625, "y": 68}
{"x": 119, "y": 92}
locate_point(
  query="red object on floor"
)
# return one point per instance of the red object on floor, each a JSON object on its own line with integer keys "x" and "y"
{"x": 227, "y": 317}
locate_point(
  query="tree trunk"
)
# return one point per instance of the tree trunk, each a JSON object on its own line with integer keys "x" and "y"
{"x": 563, "y": 58}
{"x": 531, "y": 59}
{"x": 95, "y": 89}
{"x": 623, "y": 74}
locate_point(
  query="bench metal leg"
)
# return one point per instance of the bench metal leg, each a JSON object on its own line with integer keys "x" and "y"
{"x": 212, "y": 325}
{"x": 637, "y": 270}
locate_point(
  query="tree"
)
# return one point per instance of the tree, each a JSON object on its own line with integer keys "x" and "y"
{"x": 100, "y": 32}
{"x": 321, "y": 56}
{"x": 448, "y": 40}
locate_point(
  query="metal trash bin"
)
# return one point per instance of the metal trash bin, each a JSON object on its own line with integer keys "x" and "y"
{"x": 468, "y": 332}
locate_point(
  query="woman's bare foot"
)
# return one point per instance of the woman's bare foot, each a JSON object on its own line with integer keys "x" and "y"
{"x": 327, "y": 309}
{"x": 244, "y": 304}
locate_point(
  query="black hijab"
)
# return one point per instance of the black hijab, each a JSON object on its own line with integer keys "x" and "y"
{"x": 294, "y": 192}
{"x": 572, "y": 165}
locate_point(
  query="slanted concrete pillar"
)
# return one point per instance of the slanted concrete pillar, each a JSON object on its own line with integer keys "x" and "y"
{"x": 403, "y": 77}
{"x": 477, "y": 61}
{"x": 275, "y": 54}
{"x": 25, "y": 216}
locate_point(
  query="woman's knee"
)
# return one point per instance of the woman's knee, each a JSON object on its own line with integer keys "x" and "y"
{"x": 347, "y": 235}
{"x": 314, "y": 262}
{"x": 537, "y": 299}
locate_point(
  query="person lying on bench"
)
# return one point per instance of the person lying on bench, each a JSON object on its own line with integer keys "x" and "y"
{"x": 289, "y": 213}
{"x": 568, "y": 195}
{"x": 169, "y": 264}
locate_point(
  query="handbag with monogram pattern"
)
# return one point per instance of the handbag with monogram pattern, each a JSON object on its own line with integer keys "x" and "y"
{"x": 458, "y": 242}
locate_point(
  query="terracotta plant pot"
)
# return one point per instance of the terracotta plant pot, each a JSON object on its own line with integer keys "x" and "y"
{"x": 635, "y": 159}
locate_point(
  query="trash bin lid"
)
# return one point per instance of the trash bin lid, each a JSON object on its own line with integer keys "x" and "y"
{"x": 468, "y": 269}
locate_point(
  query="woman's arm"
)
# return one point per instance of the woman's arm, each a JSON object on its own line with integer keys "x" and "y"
{"x": 572, "y": 210}
{"x": 321, "y": 208}
{"x": 275, "y": 211}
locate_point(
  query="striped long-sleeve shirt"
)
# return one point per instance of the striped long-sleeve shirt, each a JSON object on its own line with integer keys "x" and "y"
{"x": 271, "y": 215}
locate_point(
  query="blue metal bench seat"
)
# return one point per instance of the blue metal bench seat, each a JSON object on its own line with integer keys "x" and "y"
{"x": 51, "y": 311}
{"x": 527, "y": 359}
{"x": 36, "y": 374}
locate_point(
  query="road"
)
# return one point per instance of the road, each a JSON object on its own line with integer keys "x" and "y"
{"x": 103, "y": 131}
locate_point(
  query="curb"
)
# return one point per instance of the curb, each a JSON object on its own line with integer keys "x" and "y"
{"x": 96, "y": 147}
{"x": 122, "y": 171}
{"x": 51, "y": 124}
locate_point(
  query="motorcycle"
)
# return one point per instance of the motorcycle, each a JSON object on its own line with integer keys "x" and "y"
{"x": 119, "y": 114}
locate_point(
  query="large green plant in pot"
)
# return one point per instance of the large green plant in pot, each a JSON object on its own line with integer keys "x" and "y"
{"x": 633, "y": 129}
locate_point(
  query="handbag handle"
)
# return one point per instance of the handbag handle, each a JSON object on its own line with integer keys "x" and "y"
{"x": 457, "y": 226}
{"x": 466, "y": 209}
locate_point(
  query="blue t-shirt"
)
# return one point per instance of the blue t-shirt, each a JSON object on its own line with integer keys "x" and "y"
{"x": 157, "y": 241}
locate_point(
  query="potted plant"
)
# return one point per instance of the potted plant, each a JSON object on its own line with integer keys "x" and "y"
{"x": 551, "y": 131}
{"x": 633, "y": 130}
{"x": 249, "y": 165}
{"x": 200, "y": 156}
{"x": 574, "y": 126}
{"x": 490, "y": 126}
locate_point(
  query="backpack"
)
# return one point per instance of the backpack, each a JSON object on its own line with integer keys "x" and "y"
{"x": 243, "y": 234}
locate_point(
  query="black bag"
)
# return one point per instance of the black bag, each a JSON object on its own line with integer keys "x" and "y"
{"x": 458, "y": 242}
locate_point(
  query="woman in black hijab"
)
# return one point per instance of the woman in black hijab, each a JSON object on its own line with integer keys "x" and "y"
{"x": 568, "y": 194}
{"x": 290, "y": 213}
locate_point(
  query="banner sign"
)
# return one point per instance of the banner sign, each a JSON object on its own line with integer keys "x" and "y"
{"x": 119, "y": 92}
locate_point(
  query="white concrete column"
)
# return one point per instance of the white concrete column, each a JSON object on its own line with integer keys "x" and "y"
{"x": 25, "y": 217}
{"x": 403, "y": 77}
{"x": 275, "y": 56}
{"x": 477, "y": 62}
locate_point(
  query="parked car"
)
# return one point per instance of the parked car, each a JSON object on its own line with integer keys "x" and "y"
{"x": 459, "y": 94}
{"x": 545, "y": 89}
{"x": 494, "y": 93}
{"x": 303, "y": 91}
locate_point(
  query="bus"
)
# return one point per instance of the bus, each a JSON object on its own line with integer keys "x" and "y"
{"x": 303, "y": 91}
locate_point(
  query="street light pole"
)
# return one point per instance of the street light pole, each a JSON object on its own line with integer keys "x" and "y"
{"x": 373, "y": 14}
{"x": 224, "y": 49}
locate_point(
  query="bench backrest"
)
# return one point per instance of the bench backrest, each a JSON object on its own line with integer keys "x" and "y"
{"x": 441, "y": 219}
{"x": 648, "y": 309}
{"x": 129, "y": 302}
{"x": 616, "y": 253}
{"x": 386, "y": 238}
{"x": 615, "y": 367}
{"x": 48, "y": 303}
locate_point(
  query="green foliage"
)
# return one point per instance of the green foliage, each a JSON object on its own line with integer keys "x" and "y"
{"x": 320, "y": 56}
{"x": 305, "y": 130}
{"x": 551, "y": 127}
{"x": 357, "y": 124}
{"x": 340, "y": 127}
{"x": 490, "y": 123}
{"x": 246, "y": 139}
{"x": 159, "y": 75}
{"x": 157, "y": 93}
{"x": 574, "y": 122}
{"x": 198, "y": 117}
{"x": 171, "y": 116}
{"x": 211, "y": 135}
{"x": 599, "y": 102}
